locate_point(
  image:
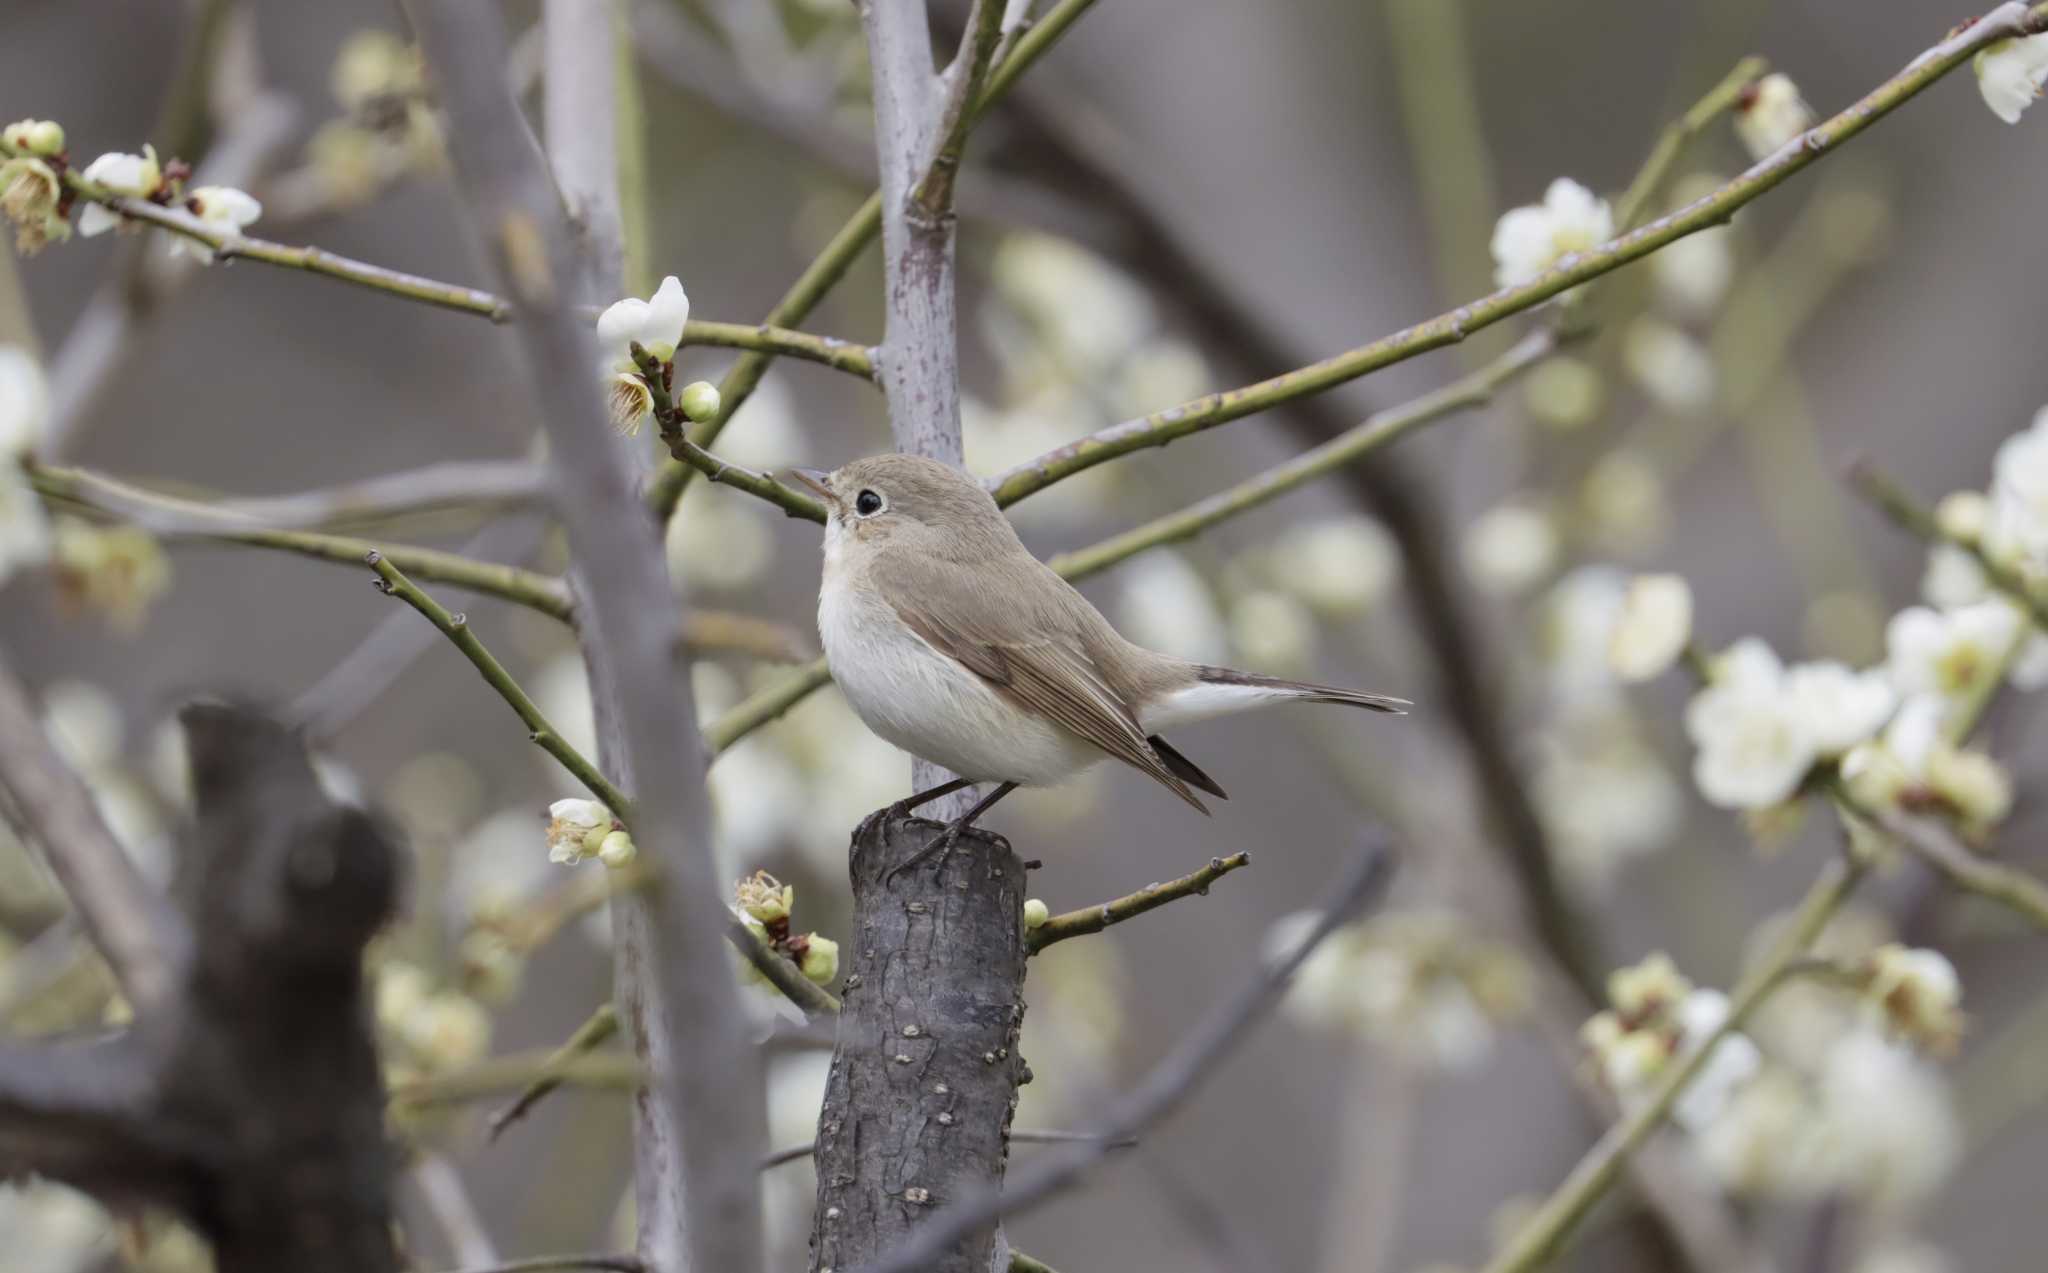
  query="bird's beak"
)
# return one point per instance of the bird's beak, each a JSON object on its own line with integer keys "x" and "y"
{"x": 818, "y": 480}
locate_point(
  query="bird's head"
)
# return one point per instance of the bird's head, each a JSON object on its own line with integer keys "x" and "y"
{"x": 909, "y": 502}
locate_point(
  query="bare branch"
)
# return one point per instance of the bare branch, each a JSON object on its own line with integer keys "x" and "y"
{"x": 1715, "y": 208}
{"x": 602, "y": 1025}
{"x": 189, "y": 518}
{"x": 1544, "y": 1234}
{"x": 1093, "y": 919}
{"x": 1169, "y": 1084}
{"x": 838, "y": 255}
{"x": 144, "y": 942}
{"x": 704, "y": 1093}
{"x": 961, "y": 85}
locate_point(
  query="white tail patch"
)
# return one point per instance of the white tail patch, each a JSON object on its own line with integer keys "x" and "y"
{"x": 1206, "y": 699}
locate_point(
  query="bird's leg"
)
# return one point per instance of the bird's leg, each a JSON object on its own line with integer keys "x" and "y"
{"x": 903, "y": 807}
{"x": 943, "y": 846}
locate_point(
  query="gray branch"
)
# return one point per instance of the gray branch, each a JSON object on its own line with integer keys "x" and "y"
{"x": 130, "y": 923}
{"x": 703, "y": 1099}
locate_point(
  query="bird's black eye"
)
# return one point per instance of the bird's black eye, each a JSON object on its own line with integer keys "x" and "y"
{"x": 867, "y": 503}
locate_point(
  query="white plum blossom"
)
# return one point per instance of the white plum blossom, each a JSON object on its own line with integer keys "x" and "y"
{"x": 1914, "y": 764}
{"x": 1605, "y": 799}
{"x": 2019, "y": 494}
{"x": 2011, "y": 73}
{"x": 656, "y": 325}
{"x": 222, "y": 208}
{"x": 24, "y": 531}
{"x": 24, "y": 403}
{"x": 1889, "y": 1125}
{"x": 1915, "y": 993}
{"x": 577, "y": 830}
{"x": 1733, "y": 1062}
{"x": 1654, "y": 624}
{"x": 1510, "y": 548}
{"x": 1839, "y": 707}
{"x": 1669, "y": 366}
{"x": 1771, "y": 114}
{"x": 1529, "y": 240}
{"x": 135, "y": 176}
{"x": 1754, "y": 748}
{"x": 1954, "y": 653}
{"x": 1576, "y": 628}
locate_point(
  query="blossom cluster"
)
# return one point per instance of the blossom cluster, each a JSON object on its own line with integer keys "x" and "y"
{"x": 36, "y": 198}
{"x": 763, "y": 904}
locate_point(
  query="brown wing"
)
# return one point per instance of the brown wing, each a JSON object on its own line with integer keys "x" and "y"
{"x": 1057, "y": 680}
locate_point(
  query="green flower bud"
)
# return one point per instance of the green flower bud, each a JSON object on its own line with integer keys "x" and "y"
{"x": 37, "y": 136}
{"x": 820, "y": 963}
{"x": 617, "y": 850}
{"x": 1035, "y": 913}
{"x": 699, "y": 400}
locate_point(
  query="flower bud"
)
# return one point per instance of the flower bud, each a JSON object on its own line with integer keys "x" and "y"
{"x": 616, "y": 850}
{"x": 1036, "y": 913}
{"x": 1565, "y": 392}
{"x": 37, "y": 136}
{"x": 1770, "y": 114}
{"x": 1963, "y": 515}
{"x": 699, "y": 400}
{"x": 820, "y": 962}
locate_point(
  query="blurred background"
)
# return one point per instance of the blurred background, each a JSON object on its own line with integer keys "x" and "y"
{"x": 1179, "y": 199}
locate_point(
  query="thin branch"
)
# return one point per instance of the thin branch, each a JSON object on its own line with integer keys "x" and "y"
{"x": 962, "y": 83}
{"x": 781, "y": 971}
{"x": 1936, "y": 845}
{"x": 1543, "y": 1234}
{"x": 1898, "y": 504}
{"x": 455, "y": 626}
{"x": 1169, "y": 1084}
{"x": 675, "y": 436}
{"x": 181, "y": 518}
{"x": 831, "y": 264}
{"x": 767, "y": 338}
{"x": 1383, "y": 428}
{"x": 1173, "y": 423}
{"x": 459, "y": 484}
{"x": 730, "y": 632}
{"x": 144, "y": 941}
{"x": 514, "y": 1073}
{"x": 601, "y": 1026}
{"x": 764, "y": 706}
{"x": 683, "y": 1010}
{"x": 1093, "y": 919}
{"x": 1719, "y": 100}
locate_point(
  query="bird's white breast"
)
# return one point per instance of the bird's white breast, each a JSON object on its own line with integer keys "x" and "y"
{"x": 925, "y": 701}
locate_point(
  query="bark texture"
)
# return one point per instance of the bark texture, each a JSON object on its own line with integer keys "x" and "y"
{"x": 925, "y": 1073}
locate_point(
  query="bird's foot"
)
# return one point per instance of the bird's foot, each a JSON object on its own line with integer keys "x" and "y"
{"x": 941, "y": 848}
{"x": 901, "y": 809}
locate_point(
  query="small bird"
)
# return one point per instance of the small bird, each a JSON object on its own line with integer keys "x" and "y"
{"x": 954, "y": 643}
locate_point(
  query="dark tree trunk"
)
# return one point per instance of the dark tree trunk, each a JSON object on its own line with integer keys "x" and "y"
{"x": 926, "y": 1069}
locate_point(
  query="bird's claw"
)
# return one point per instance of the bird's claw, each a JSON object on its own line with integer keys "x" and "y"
{"x": 942, "y": 848}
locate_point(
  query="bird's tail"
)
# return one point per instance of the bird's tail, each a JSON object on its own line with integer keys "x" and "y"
{"x": 1305, "y": 691}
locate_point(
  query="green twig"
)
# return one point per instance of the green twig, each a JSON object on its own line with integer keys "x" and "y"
{"x": 1722, "y": 98}
{"x": 1898, "y": 504}
{"x": 601, "y": 1026}
{"x": 501, "y": 1074}
{"x": 1380, "y": 430}
{"x": 1543, "y": 1235}
{"x": 837, "y": 257}
{"x": 1716, "y": 208}
{"x": 765, "y": 705}
{"x": 1093, "y": 919}
{"x": 456, "y": 628}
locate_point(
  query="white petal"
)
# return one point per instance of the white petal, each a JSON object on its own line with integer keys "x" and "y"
{"x": 24, "y": 402}
{"x": 1655, "y": 624}
{"x": 622, "y": 322}
{"x": 2010, "y": 75}
{"x": 93, "y": 219}
{"x": 669, "y": 310}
